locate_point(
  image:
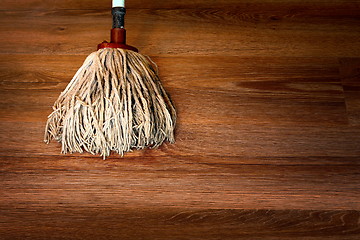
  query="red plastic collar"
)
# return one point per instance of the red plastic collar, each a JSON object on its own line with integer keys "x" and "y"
{"x": 118, "y": 40}
{"x": 106, "y": 44}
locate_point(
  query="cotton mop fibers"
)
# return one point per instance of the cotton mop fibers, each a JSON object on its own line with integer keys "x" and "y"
{"x": 115, "y": 102}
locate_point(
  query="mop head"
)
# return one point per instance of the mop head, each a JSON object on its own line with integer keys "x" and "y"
{"x": 115, "y": 102}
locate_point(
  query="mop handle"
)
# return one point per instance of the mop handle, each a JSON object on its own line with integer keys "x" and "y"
{"x": 118, "y": 12}
{"x": 118, "y": 32}
{"x": 118, "y": 3}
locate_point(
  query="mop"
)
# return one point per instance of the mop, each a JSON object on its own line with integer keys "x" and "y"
{"x": 114, "y": 103}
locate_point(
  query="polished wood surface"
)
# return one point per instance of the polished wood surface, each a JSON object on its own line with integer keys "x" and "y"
{"x": 268, "y": 135}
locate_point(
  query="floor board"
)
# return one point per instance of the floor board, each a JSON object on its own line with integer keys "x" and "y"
{"x": 181, "y": 181}
{"x": 350, "y": 76}
{"x": 181, "y": 223}
{"x": 202, "y": 32}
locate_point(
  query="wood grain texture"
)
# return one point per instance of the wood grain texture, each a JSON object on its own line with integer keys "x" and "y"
{"x": 267, "y": 141}
{"x": 169, "y": 4}
{"x": 224, "y": 32}
{"x": 180, "y": 224}
{"x": 350, "y": 75}
{"x": 231, "y": 89}
{"x": 167, "y": 181}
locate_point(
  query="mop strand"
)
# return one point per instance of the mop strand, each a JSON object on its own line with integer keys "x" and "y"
{"x": 115, "y": 102}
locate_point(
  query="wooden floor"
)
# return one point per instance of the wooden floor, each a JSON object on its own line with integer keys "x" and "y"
{"x": 268, "y": 135}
